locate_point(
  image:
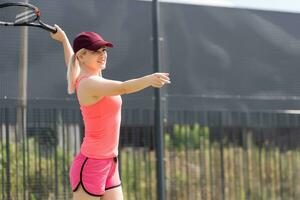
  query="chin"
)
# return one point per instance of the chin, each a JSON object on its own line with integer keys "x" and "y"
{"x": 103, "y": 67}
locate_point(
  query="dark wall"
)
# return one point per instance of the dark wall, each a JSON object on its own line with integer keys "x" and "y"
{"x": 219, "y": 58}
{"x": 225, "y": 58}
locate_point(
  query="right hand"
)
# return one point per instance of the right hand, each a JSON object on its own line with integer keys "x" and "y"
{"x": 158, "y": 80}
{"x": 59, "y": 35}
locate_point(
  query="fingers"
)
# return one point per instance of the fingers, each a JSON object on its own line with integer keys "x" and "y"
{"x": 162, "y": 74}
{"x": 163, "y": 77}
{"x": 165, "y": 80}
{"x": 160, "y": 79}
{"x": 57, "y": 28}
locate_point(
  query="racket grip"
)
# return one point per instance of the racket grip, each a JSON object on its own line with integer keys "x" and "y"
{"x": 48, "y": 27}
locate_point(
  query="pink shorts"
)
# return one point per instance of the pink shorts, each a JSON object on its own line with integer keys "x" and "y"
{"x": 95, "y": 175}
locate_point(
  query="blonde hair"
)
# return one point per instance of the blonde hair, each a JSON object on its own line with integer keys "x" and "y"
{"x": 73, "y": 71}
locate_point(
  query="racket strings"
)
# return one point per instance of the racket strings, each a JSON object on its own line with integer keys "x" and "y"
{"x": 17, "y": 14}
{"x": 28, "y": 17}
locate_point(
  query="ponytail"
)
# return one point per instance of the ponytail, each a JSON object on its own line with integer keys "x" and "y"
{"x": 72, "y": 74}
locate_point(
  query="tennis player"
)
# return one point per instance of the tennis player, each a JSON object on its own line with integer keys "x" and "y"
{"x": 94, "y": 172}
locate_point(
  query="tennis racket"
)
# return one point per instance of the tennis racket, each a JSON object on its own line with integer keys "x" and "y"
{"x": 22, "y": 14}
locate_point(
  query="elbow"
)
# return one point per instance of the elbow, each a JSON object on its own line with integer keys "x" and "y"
{"x": 124, "y": 89}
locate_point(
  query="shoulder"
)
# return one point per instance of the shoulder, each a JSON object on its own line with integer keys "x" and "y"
{"x": 92, "y": 82}
{"x": 88, "y": 80}
{"x": 99, "y": 86}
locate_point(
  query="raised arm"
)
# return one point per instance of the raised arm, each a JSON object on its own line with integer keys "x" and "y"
{"x": 62, "y": 37}
{"x": 98, "y": 86}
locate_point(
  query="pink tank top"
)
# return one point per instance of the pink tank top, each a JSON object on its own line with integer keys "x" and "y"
{"x": 102, "y": 126}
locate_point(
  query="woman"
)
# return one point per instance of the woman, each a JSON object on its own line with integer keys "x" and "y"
{"x": 94, "y": 171}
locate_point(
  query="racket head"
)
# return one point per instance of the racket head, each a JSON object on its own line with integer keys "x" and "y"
{"x": 17, "y": 14}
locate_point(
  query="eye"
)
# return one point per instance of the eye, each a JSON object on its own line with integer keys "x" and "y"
{"x": 100, "y": 51}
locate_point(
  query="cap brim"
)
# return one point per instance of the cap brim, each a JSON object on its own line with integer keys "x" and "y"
{"x": 98, "y": 44}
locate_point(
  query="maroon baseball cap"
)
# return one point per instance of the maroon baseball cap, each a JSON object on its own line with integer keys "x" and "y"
{"x": 89, "y": 40}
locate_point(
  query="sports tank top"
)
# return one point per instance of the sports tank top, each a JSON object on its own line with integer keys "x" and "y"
{"x": 102, "y": 126}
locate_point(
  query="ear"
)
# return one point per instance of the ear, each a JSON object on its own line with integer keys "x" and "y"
{"x": 79, "y": 57}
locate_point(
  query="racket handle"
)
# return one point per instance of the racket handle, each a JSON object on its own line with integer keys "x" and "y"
{"x": 48, "y": 27}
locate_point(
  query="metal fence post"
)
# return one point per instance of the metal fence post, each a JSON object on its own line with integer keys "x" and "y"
{"x": 158, "y": 122}
{"x": 22, "y": 103}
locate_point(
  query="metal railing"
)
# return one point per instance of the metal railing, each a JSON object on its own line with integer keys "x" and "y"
{"x": 207, "y": 155}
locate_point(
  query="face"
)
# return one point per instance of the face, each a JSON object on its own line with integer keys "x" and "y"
{"x": 95, "y": 60}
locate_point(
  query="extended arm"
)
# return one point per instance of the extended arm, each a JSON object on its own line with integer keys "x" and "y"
{"x": 99, "y": 86}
